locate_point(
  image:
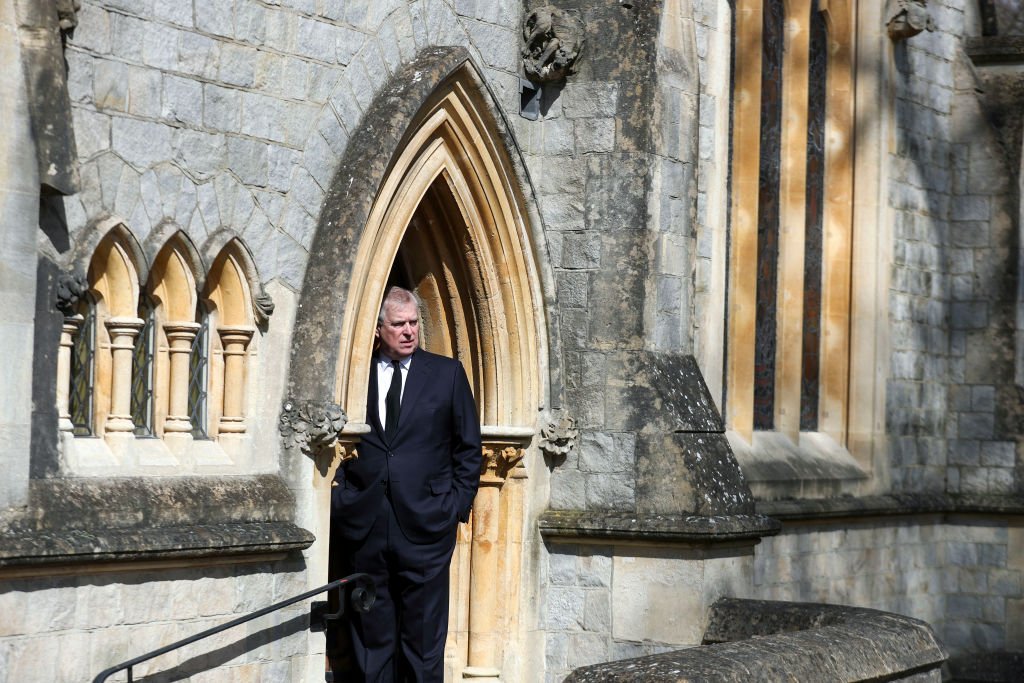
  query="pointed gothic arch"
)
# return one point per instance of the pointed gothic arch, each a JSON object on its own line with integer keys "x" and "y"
{"x": 428, "y": 193}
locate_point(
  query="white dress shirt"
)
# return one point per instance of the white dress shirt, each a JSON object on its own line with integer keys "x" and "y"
{"x": 384, "y": 372}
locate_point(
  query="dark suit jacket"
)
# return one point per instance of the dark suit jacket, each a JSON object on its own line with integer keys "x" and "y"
{"x": 431, "y": 467}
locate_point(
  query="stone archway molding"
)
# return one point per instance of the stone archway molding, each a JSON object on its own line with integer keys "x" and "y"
{"x": 435, "y": 128}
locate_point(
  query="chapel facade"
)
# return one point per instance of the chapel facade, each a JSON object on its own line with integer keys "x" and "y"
{"x": 737, "y": 286}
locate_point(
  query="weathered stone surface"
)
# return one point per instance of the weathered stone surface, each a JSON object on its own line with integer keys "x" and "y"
{"x": 651, "y": 527}
{"x": 891, "y": 504}
{"x": 754, "y": 640}
{"x": 84, "y": 520}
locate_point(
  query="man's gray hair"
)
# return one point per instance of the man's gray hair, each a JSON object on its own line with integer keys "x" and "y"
{"x": 397, "y": 296}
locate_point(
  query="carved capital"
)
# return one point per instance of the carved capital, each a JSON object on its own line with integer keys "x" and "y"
{"x": 552, "y": 43}
{"x": 558, "y": 438}
{"x": 311, "y": 426}
{"x": 907, "y": 18}
{"x": 71, "y": 287}
{"x": 499, "y": 460}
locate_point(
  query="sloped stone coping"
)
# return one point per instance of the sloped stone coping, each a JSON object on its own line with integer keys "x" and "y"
{"x": 895, "y": 504}
{"x": 619, "y": 526}
{"x": 90, "y": 520}
{"x": 995, "y": 50}
{"x": 761, "y": 640}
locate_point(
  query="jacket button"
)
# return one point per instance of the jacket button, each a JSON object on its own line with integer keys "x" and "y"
{"x": 390, "y": 454}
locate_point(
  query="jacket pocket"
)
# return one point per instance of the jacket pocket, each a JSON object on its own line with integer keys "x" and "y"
{"x": 441, "y": 485}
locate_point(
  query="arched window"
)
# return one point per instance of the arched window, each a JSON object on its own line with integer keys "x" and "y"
{"x": 159, "y": 369}
{"x": 173, "y": 289}
{"x": 114, "y": 327}
{"x": 229, "y": 296}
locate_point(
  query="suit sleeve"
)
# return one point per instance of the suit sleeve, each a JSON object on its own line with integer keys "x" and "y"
{"x": 466, "y": 444}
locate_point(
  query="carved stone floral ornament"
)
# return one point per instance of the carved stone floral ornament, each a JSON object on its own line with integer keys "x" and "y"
{"x": 558, "y": 438}
{"x": 311, "y": 426}
{"x": 552, "y": 42}
{"x": 907, "y": 18}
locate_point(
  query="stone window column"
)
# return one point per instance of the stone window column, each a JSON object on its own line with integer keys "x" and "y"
{"x": 123, "y": 332}
{"x": 72, "y": 324}
{"x": 485, "y": 627}
{"x": 235, "y": 342}
{"x": 180, "y": 336}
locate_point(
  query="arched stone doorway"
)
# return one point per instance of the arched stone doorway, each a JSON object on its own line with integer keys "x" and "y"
{"x": 446, "y": 218}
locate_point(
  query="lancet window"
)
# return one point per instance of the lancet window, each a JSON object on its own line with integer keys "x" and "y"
{"x": 157, "y": 350}
{"x": 791, "y": 228}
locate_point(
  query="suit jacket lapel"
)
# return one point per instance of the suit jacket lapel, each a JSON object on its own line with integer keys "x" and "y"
{"x": 419, "y": 372}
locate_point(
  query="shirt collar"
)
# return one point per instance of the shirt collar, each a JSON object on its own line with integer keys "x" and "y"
{"x": 385, "y": 362}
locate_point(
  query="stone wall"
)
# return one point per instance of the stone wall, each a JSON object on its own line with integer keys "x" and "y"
{"x": 952, "y": 407}
{"x": 19, "y": 204}
{"x": 964, "y": 577}
{"x": 609, "y": 602}
{"x": 71, "y": 627}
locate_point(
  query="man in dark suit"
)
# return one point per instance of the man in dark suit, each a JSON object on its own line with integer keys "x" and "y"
{"x": 396, "y": 507}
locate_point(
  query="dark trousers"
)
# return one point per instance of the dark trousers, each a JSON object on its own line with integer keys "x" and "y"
{"x": 402, "y": 638}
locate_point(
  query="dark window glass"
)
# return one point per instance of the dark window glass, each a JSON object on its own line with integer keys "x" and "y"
{"x": 773, "y": 42}
{"x": 198, "y": 377}
{"x": 83, "y": 371}
{"x": 142, "y": 371}
{"x": 816, "y": 100}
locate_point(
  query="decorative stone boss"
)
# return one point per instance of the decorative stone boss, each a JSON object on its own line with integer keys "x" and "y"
{"x": 552, "y": 43}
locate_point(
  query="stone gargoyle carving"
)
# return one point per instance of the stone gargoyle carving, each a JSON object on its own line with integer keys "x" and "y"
{"x": 310, "y": 426}
{"x": 558, "y": 438}
{"x": 552, "y": 42}
{"x": 907, "y": 18}
{"x": 71, "y": 287}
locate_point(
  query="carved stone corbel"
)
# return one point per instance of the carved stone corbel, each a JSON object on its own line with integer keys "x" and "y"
{"x": 552, "y": 43}
{"x": 558, "y": 438}
{"x": 262, "y": 308}
{"x": 907, "y": 18}
{"x": 311, "y": 426}
{"x": 71, "y": 287}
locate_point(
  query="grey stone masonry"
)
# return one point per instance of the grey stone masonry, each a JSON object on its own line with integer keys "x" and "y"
{"x": 952, "y": 408}
{"x": 617, "y": 191}
{"x": 250, "y": 103}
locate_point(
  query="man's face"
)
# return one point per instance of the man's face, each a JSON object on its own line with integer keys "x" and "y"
{"x": 399, "y": 333}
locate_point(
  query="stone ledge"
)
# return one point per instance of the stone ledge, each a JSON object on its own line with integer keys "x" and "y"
{"x": 893, "y": 504}
{"x": 760, "y": 640}
{"x": 200, "y": 540}
{"x": 995, "y": 50}
{"x": 624, "y": 526}
{"x": 153, "y": 518}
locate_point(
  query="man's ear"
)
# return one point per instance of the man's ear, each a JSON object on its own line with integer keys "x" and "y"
{"x": 376, "y": 332}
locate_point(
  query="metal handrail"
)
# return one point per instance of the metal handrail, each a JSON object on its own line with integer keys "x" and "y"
{"x": 359, "y": 594}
